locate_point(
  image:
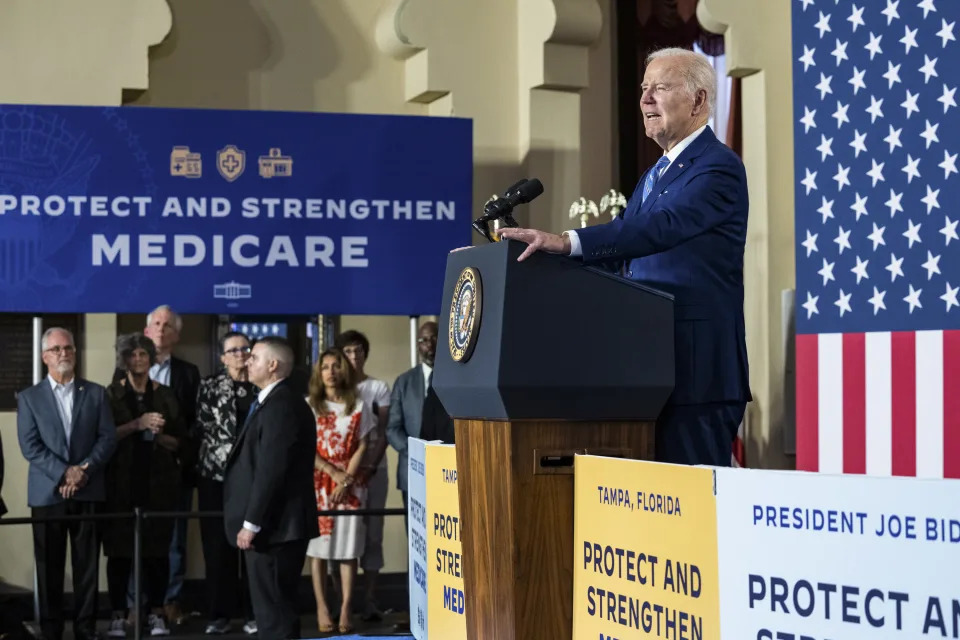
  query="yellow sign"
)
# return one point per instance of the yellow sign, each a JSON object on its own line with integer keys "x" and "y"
{"x": 445, "y": 599}
{"x": 645, "y": 551}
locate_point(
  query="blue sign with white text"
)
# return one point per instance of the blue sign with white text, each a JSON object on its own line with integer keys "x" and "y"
{"x": 118, "y": 209}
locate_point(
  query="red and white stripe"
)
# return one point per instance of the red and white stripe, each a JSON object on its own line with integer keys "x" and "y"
{"x": 885, "y": 403}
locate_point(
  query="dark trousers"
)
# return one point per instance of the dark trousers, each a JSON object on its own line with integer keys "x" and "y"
{"x": 153, "y": 581}
{"x": 698, "y": 433}
{"x": 274, "y": 574}
{"x": 226, "y": 576}
{"x": 50, "y": 554}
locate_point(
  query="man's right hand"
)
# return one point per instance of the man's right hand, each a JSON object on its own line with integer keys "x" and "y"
{"x": 74, "y": 479}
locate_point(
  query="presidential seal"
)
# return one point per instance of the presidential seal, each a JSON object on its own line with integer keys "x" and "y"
{"x": 465, "y": 309}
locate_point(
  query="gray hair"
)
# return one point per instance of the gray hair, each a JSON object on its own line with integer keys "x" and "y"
{"x": 51, "y": 331}
{"x": 282, "y": 352}
{"x": 177, "y": 320}
{"x": 696, "y": 70}
{"x": 127, "y": 344}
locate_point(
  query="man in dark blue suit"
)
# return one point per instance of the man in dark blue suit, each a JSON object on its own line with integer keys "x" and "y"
{"x": 67, "y": 434}
{"x": 683, "y": 231}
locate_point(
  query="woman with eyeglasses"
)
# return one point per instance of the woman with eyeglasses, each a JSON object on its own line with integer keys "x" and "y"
{"x": 223, "y": 402}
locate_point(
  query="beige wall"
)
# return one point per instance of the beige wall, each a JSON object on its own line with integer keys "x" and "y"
{"x": 761, "y": 56}
{"x": 535, "y": 76}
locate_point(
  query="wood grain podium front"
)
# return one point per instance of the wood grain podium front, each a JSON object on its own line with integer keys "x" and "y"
{"x": 537, "y": 362}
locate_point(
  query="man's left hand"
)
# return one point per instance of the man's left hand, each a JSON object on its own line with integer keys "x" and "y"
{"x": 537, "y": 241}
{"x": 245, "y": 539}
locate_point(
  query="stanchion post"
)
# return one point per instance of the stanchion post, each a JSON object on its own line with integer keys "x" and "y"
{"x": 37, "y": 371}
{"x": 137, "y": 607}
{"x": 414, "y": 322}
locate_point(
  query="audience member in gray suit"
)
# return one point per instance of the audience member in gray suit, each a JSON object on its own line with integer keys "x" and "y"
{"x": 67, "y": 435}
{"x": 406, "y": 401}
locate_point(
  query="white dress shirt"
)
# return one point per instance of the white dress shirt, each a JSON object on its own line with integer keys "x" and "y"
{"x": 160, "y": 372}
{"x": 63, "y": 393}
{"x": 249, "y": 526}
{"x": 427, "y": 370}
{"x": 672, "y": 155}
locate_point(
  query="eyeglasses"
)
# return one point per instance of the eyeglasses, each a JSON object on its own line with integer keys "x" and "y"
{"x": 68, "y": 349}
{"x": 237, "y": 350}
{"x": 426, "y": 340}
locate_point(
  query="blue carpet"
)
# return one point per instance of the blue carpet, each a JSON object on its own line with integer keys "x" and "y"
{"x": 367, "y": 637}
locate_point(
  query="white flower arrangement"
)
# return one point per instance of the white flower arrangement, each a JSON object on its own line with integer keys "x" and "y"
{"x": 613, "y": 200}
{"x": 584, "y": 208}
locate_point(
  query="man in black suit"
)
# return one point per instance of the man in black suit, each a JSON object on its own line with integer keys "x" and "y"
{"x": 270, "y": 509}
{"x": 67, "y": 434}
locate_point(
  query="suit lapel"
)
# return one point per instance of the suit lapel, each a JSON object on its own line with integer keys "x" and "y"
{"x": 79, "y": 394}
{"x": 246, "y": 423}
{"x": 679, "y": 166}
{"x": 174, "y": 375}
{"x": 421, "y": 383}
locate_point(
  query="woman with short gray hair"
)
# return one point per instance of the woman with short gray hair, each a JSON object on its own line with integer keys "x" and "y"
{"x": 144, "y": 472}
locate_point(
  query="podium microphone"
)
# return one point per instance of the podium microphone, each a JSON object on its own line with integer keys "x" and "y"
{"x": 521, "y": 192}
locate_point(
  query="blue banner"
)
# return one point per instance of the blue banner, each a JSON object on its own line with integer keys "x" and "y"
{"x": 229, "y": 212}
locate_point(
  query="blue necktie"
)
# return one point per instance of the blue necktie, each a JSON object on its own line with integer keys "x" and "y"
{"x": 653, "y": 176}
{"x": 253, "y": 407}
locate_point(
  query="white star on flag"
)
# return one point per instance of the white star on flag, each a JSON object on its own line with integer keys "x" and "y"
{"x": 811, "y": 305}
{"x": 857, "y": 80}
{"x": 843, "y": 303}
{"x": 810, "y": 243}
{"x": 877, "y": 236}
{"x": 860, "y": 269}
{"x": 931, "y": 199}
{"x": 929, "y": 68}
{"x": 927, "y": 6}
{"x": 930, "y": 133}
{"x": 949, "y": 164}
{"x": 877, "y": 300}
{"x": 932, "y": 265}
{"x": 946, "y": 33}
{"x": 912, "y": 234}
{"x": 858, "y": 143}
{"x": 859, "y": 206}
{"x": 950, "y": 297}
{"x": 891, "y": 11}
{"x": 913, "y": 298}
{"x": 876, "y": 172}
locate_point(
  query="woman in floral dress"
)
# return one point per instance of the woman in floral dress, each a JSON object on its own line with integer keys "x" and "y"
{"x": 344, "y": 425}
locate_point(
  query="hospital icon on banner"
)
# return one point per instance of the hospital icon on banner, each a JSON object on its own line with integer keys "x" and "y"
{"x": 276, "y": 165}
{"x": 185, "y": 163}
{"x": 231, "y": 162}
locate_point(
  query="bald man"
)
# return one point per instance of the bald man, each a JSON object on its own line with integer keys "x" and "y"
{"x": 270, "y": 511}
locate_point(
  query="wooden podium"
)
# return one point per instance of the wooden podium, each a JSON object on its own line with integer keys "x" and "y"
{"x": 538, "y": 361}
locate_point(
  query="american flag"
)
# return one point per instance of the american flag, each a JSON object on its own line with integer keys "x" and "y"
{"x": 877, "y": 136}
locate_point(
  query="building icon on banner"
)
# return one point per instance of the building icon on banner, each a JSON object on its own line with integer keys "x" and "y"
{"x": 275, "y": 165}
{"x": 232, "y": 291}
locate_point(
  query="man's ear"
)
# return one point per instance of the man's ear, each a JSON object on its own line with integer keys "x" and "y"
{"x": 699, "y": 102}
